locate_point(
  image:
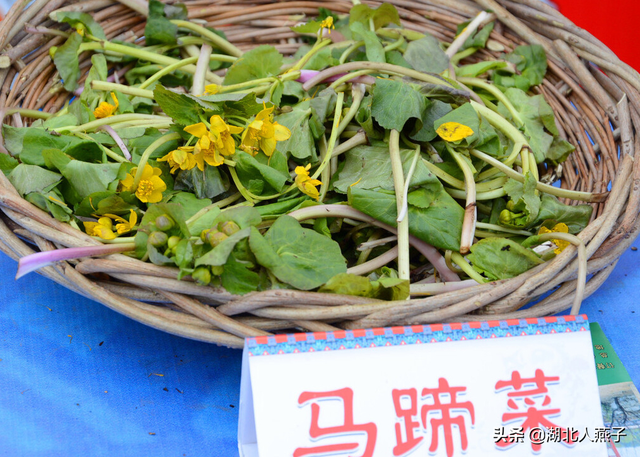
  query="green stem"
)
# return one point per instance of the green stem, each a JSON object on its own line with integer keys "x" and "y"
{"x": 347, "y": 52}
{"x": 491, "y": 185}
{"x": 31, "y": 113}
{"x": 562, "y": 193}
{"x": 348, "y": 77}
{"x": 357, "y": 94}
{"x": 107, "y": 151}
{"x": 462, "y": 54}
{"x": 150, "y": 150}
{"x": 403, "y": 225}
{"x": 497, "y": 93}
{"x": 582, "y": 264}
{"x": 332, "y": 142}
{"x": 517, "y": 148}
{"x": 443, "y": 175}
{"x": 127, "y": 90}
{"x": 167, "y": 70}
{"x": 217, "y": 40}
{"x": 219, "y": 204}
{"x": 471, "y": 210}
{"x": 395, "y": 45}
{"x": 480, "y": 196}
{"x": 377, "y": 67}
{"x": 312, "y": 52}
{"x": 468, "y": 269}
{"x": 111, "y": 121}
{"x": 143, "y": 124}
{"x": 499, "y": 228}
{"x": 248, "y": 196}
{"x": 141, "y": 54}
{"x": 501, "y": 123}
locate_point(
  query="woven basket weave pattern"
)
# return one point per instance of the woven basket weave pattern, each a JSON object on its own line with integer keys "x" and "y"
{"x": 585, "y": 100}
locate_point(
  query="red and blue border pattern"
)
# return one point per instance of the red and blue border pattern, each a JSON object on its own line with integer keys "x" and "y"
{"x": 415, "y": 334}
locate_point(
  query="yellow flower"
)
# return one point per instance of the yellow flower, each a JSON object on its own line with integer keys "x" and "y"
{"x": 211, "y": 89}
{"x": 123, "y": 225}
{"x": 150, "y": 187}
{"x": 328, "y": 24}
{"x": 263, "y": 134}
{"x": 306, "y": 184}
{"x": 453, "y": 131}
{"x": 102, "y": 229}
{"x": 561, "y": 245}
{"x": 107, "y": 109}
{"x": 181, "y": 159}
{"x": 213, "y": 144}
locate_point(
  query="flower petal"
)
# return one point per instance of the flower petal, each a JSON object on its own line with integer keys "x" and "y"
{"x": 281, "y": 133}
{"x": 453, "y": 131}
{"x": 198, "y": 130}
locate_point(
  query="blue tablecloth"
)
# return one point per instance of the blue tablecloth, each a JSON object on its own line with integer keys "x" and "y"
{"x": 77, "y": 379}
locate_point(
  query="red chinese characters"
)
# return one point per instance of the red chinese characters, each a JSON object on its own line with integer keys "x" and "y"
{"x": 442, "y": 411}
{"x": 348, "y": 426}
{"x": 524, "y": 404}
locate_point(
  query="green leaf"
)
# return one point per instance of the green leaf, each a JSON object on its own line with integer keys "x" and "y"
{"x": 363, "y": 117}
{"x": 383, "y": 289}
{"x": 500, "y": 258}
{"x": 435, "y": 110}
{"x": 204, "y": 184}
{"x": 531, "y": 61}
{"x": 53, "y": 203}
{"x": 181, "y": 108}
{"x": 260, "y": 62}
{"x": 237, "y": 277}
{"x": 464, "y": 115}
{"x": 301, "y": 144}
{"x": 30, "y": 178}
{"x": 390, "y": 93}
{"x": 434, "y": 216}
{"x": 309, "y": 27}
{"x": 75, "y": 18}
{"x": 559, "y": 151}
{"x": 249, "y": 168}
{"x": 190, "y": 203}
{"x": 277, "y": 209}
{"x": 576, "y": 217}
{"x": 537, "y": 116}
{"x": 102, "y": 203}
{"x": 218, "y": 256}
{"x": 89, "y": 178}
{"x": 384, "y": 15}
{"x": 369, "y": 167}
{"x": 204, "y": 222}
{"x": 7, "y": 163}
{"x": 426, "y": 55}
{"x": 300, "y": 257}
{"x": 373, "y": 46}
{"x": 524, "y": 205}
{"x": 66, "y": 61}
{"x": 63, "y": 120}
{"x": 244, "y": 216}
{"x": 159, "y": 29}
{"x": 479, "y": 38}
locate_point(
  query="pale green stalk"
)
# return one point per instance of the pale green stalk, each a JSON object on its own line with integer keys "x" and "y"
{"x": 312, "y": 52}
{"x": 348, "y": 77}
{"x": 168, "y": 70}
{"x": 347, "y": 52}
{"x": 31, "y": 113}
{"x": 127, "y": 90}
{"x": 217, "y": 40}
{"x": 150, "y": 150}
{"x": 357, "y": 94}
{"x": 111, "y": 121}
{"x": 219, "y": 204}
{"x": 404, "y": 269}
{"x": 499, "y": 228}
{"x": 497, "y": 93}
{"x": 395, "y": 45}
{"x": 468, "y": 269}
{"x": 492, "y": 185}
{"x": 332, "y": 142}
{"x": 443, "y": 175}
{"x": 480, "y": 196}
{"x": 471, "y": 210}
{"x": 582, "y": 264}
{"x": 558, "y": 192}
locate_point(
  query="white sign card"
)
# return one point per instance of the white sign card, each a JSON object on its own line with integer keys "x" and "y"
{"x": 513, "y": 388}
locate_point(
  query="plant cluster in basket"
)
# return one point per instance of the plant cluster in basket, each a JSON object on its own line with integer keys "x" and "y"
{"x": 372, "y": 163}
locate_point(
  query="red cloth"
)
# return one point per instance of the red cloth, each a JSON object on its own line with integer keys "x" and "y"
{"x": 614, "y": 22}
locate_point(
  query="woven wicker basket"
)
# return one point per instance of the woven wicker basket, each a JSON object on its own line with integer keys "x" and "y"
{"x": 585, "y": 100}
